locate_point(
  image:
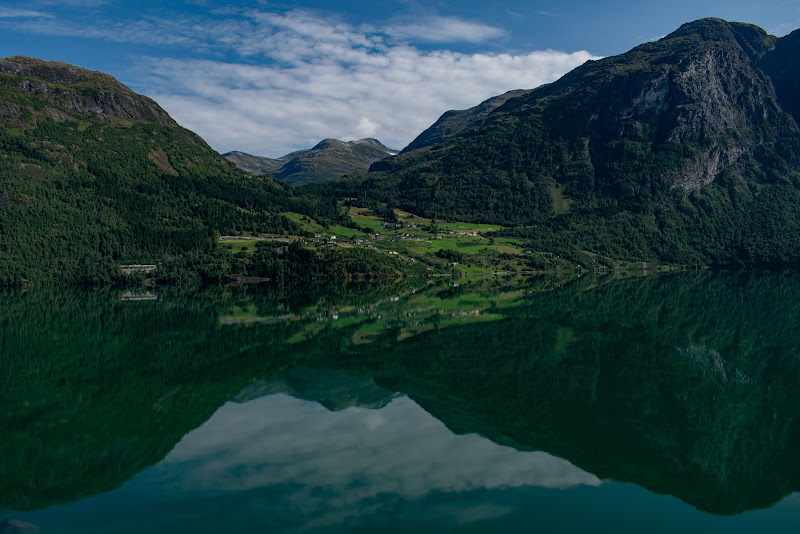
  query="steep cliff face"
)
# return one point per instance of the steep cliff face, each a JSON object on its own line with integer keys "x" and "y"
{"x": 682, "y": 109}
{"x": 699, "y": 86}
{"x": 70, "y": 88}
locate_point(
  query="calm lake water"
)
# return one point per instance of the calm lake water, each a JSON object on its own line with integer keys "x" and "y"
{"x": 662, "y": 403}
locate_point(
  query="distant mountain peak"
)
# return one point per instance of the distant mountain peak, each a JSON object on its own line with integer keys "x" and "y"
{"x": 328, "y": 159}
{"x": 329, "y": 143}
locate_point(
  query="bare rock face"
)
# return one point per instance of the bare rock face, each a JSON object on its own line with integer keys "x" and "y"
{"x": 705, "y": 89}
{"x": 74, "y": 89}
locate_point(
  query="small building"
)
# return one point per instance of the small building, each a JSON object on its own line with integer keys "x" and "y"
{"x": 137, "y": 268}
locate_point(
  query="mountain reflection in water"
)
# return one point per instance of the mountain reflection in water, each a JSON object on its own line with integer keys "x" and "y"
{"x": 687, "y": 385}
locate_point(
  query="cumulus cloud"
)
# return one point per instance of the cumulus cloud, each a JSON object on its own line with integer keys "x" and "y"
{"x": 393, "y": 95}
{"x": 367, "y": 127}
{"x": 331, "y": 80}
{"x": 269, "y": 82}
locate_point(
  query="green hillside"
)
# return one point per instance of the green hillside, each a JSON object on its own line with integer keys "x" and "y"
{"x": 93, "y": 175}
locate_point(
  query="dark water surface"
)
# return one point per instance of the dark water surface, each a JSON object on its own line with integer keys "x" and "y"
{"x": 665, "y": 403}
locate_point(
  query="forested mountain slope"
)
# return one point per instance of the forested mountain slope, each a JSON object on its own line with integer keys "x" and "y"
{"x": 93, "y": 175}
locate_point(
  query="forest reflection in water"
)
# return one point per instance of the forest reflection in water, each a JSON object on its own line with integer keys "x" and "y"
{"x": 396, "y": 396}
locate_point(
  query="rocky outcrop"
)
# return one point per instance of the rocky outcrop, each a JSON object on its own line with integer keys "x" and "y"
{"x": 70, "y": 89}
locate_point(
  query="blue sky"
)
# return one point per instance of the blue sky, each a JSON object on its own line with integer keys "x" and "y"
{"x": 271, "y": 77}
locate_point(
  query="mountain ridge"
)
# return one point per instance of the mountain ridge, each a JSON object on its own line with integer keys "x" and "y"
{"x": 616, "y": 111}
{"x": 328, "y": 159}
{"x": 455, "y": 121}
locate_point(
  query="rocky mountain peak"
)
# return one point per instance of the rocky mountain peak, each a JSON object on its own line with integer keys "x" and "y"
{"x": 754, "y": 40}
{"x": 707, "y": 112}
{"x": 699, "y": 90}
{"x": 329, "y": 143}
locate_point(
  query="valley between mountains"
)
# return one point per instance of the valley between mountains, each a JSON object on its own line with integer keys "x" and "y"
{"x": 684, "y": 152}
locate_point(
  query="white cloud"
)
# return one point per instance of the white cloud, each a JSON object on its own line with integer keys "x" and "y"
{"x": 13, "y": 13}
{"x": 445, "y": 30}
{"x": 367, "y": 127}
{"x": 344, "y": 93}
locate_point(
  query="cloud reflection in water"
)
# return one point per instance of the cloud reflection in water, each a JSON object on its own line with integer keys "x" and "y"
{"x": 332, "y": 466}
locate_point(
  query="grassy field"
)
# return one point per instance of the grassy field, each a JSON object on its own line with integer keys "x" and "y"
{"x": 305, "y": 222}
{"x": 455, "y": 247}
{"x": 366, "y": 221}
{"x": 561, "y": 203}
{"x": 239, "y": 245}
{"x": 343, "y": 231}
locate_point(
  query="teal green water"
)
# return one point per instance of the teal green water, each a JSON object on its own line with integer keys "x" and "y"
{"x": 545, "y": 404}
